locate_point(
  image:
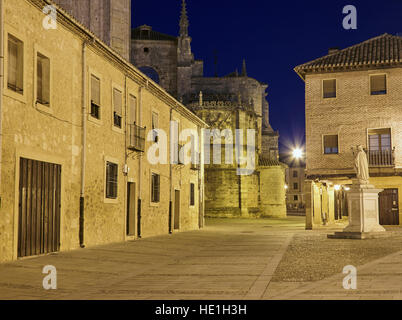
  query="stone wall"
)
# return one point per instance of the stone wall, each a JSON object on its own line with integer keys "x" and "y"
{"x": 159, "y": 55}
{"x": 54, "y": 134}
{"x": 110, "y": 20}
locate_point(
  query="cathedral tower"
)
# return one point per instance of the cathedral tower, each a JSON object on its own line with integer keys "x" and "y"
{"x": 185, "y": 57}
{"x": 110, "y": 20}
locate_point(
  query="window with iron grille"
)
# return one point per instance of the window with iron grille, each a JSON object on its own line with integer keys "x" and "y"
{"x": 43, "y": 79}
{"x": 295, "y": 186}
{"x": 117, "y": 108}
{"x": 331, "y": 144}
{"x": 329, "y": 88}
{"x": 379, "y": 139}
{"x": 95, "y": 97}
{"x": 192, "y": 194}
{"x": 155, "y": 188}
{"x": 294, "y": 174}
{"x": 111, "y": 180}
{"x": 378, "y": 84}
{"x": 295, "y": 198}
{"x": 15, "y": 64}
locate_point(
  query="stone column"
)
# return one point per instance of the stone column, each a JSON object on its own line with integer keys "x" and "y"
{"x": 308, "y": 194}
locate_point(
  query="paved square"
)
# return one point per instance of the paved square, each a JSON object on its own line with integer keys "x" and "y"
{"x": 229, "y": 259}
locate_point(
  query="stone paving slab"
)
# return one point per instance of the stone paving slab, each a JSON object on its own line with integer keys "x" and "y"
{"x": 223, "y": 261}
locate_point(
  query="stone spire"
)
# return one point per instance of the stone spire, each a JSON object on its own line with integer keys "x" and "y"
{"x": 244, "y": 70}
{"x": 184, "y": 20}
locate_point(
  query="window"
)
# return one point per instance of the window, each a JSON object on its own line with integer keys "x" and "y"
{"x": 331, "y": 144}
{"x": 154, "y": 127}
{"x": 155, "y": 188}
{"x": 295, "y": 186}
{"x": 379, "y": 139}
{"x": 295, "y": 198}
{"x": 329, "y": 88}
{"x": 192, "y": 194}
{"x": 133, "y": 109}
{"x": 95, "y": 97}
{"x": 111, "y": 180}
{"x": 117, "y": 108}
{"x": 378, "y": 84}
{"x": 42, "y": 79}
{"x": 15, "y": 64}
{"x": 294, "y": 174}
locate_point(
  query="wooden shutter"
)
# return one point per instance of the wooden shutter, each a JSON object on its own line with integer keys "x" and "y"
{"x": 12, "y": 62}
{"x": 331, "y": 141}
{"x": 117, "y": 97}
{"x": 95, "y": 90}
{"x": 133, "y": 109}
{"x": 39, "y": 82}
{"x": 378, "y": 84}
{"x": 329, "y": 88}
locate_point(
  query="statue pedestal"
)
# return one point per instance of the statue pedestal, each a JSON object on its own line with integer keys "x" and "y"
{"x": 363, "y": 213}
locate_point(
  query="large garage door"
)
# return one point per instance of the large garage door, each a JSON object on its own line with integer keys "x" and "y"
{"x": 39, "y": 208}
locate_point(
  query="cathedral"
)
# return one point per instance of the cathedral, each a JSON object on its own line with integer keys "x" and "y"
{"x": 234, "y": 101}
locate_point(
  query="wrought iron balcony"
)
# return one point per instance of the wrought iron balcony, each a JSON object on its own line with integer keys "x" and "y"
{"x": 137, "y": 138}
{"x": 381, "y": 158}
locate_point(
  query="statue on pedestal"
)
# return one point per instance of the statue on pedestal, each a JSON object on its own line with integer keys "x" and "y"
{"x": 361, "y": 166}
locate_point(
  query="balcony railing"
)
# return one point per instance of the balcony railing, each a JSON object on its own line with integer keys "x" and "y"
{"x": 381, "y": 158}
{"x": 137, "y": 138}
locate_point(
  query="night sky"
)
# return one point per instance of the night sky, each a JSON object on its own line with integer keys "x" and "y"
{"x": 273, "y": 37}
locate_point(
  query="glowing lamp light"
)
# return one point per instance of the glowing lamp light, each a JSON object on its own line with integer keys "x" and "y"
{"x": 337, "y": 187}
{"x": 347, "y": 188}
{"x": 286, "y": 186}
{"x": 297, "y": 153}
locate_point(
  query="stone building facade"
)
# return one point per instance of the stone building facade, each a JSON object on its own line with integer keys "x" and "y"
{"x": 76, "y": 130}
{"x": 110, "y": 20}
{"x": 295, "y": 174}
{"x": 235, "y": 101}
{"x": 353, "y": 97}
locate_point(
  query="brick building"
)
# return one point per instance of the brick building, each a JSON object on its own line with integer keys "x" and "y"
{"x": 76, "y": 129}
{"x": 353, "y": 97}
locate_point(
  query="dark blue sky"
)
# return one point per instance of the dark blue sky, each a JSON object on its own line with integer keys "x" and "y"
{"x": 273, "y": 37}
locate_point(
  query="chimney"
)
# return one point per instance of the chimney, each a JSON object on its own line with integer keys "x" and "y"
{"x": 333, "y": 50}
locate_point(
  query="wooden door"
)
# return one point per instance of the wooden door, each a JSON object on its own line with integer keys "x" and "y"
{"x": 388, "y": 207}
{"x": 39, "y": 208}
{"x": 176, "y": 209}
{"x": 131, "y": 215}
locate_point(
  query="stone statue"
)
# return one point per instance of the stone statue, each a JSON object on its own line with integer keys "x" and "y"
{"x": 361, "y": 166}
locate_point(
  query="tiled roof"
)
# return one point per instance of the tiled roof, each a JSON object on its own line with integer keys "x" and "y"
{"x": 137, "y": 34}
{"x": 265, "y": 162}
{"x": 384, "y": 50}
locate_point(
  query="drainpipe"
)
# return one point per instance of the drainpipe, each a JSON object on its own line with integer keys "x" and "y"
{"x": 83, "y": 147}
{"x": 139, "y": 170}
{"x": 1, "y": 83}
{"x": 170, "y": 179}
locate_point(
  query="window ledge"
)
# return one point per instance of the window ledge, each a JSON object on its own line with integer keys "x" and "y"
{"x": 44, "y": 108}
{"x": 94, "y": 120}
{"x": 15, "y": 95}
{"x": 117, "y": 129}
{"x": 111, "y": 201}
{"x": 154, "y": 204}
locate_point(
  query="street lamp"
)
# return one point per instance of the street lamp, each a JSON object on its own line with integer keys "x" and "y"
{"x": 297, "y": 153}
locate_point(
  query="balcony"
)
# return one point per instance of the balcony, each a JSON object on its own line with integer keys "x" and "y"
{"x": 381, "y": 158}
{"x": 137, "y": 138}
